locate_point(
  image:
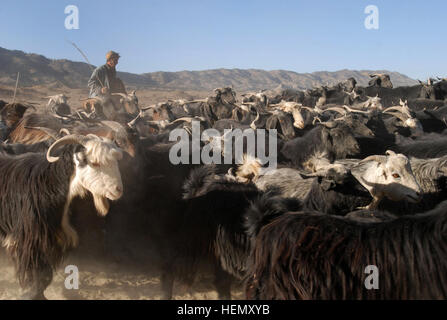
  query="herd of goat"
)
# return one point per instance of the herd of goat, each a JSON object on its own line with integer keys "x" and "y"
{"x": 361, "y": 180}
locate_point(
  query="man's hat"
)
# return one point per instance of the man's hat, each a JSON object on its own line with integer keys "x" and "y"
{"x": 112, "y": 54}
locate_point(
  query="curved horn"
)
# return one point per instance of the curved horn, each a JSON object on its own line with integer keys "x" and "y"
{"x": 253, "y": 125}
{"x": 336, "y": 109}
{"x": 397, "y": 108}
{"x": 380, "y": 159}
{"x": 403, "y": 109}
{"x": 308, "y": 108}
{"x": 119, "y": 94}
{"x": 356, "y": 111}
{"x": 70, "y": 139}
{"x": 195, "y": 101}
{"x": 185, "y": 119}
{"x": 315, "y": 120}
{"x": 65, "y": 131}
{"x": 132, "y": 123}
{"x": 400, "y": 116}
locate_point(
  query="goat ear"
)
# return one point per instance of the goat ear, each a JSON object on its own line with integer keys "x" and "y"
{"x": 81, "y": 158}
{"x": 390, "y": 153}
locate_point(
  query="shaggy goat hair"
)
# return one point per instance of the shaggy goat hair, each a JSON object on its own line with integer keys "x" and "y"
{"x": 210, "y": 229}
{"x": 309, "y": 255}
{"x": 32, "y": 200}
{"x": 26, "y": 130}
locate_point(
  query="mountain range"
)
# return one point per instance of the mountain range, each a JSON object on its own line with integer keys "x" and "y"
{"x": 36, "y": 69}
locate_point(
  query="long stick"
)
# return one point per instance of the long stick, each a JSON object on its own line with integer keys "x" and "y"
{"x": 86, "y": 59}
{"x": 15, "y": 90}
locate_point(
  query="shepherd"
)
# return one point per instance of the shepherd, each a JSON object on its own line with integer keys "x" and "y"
{"x": 103, "y": 81}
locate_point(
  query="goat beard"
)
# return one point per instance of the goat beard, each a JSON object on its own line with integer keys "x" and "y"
{"x": 101, "y": 204}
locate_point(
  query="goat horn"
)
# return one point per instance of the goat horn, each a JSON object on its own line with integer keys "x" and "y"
{"x": 397, "y": 108}
{"x": 132, "y": 123}
{"x": 196, "y": 101}
{"x": 336, "y": 109}
{"x": 186, "y": 119}
{"x": 315, "y": 120}
{"x": 253, "y": 125}
{"x": 70, "y": 139}
{"x": 400, "y": 116}
{"x": 310, "y": 109}
{"x": 402, "y": 109}
{"x": 355, "y": 110}
{"x": 224, "y": 136}
{"x": 64, "y": 130}
{"x": 119, "y": 94}
{"x": 380, "y": 159}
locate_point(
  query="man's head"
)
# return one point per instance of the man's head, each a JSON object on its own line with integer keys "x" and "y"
{"x": 112, "y": 58}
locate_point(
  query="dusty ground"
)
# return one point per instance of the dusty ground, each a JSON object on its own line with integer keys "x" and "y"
{"x": 146, "y": 97}
{"x": 99, "y": 281}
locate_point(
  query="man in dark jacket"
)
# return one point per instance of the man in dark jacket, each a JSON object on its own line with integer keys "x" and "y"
{"x": 103, "y": 81}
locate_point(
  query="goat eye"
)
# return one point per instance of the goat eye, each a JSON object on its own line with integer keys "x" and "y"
{"x": 396, "y": 176}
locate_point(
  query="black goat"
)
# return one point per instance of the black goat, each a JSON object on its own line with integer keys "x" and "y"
{"x": 34, "y": 201}
{"x": 309, "y": 255}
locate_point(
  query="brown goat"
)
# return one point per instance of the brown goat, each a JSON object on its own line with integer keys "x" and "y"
{"x": 35, "y": 128}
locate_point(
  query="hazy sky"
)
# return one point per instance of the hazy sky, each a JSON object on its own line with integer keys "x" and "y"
{"x": 302, "y": 36}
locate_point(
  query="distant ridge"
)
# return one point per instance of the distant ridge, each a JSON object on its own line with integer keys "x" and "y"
{"x": 38, "y": 70}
